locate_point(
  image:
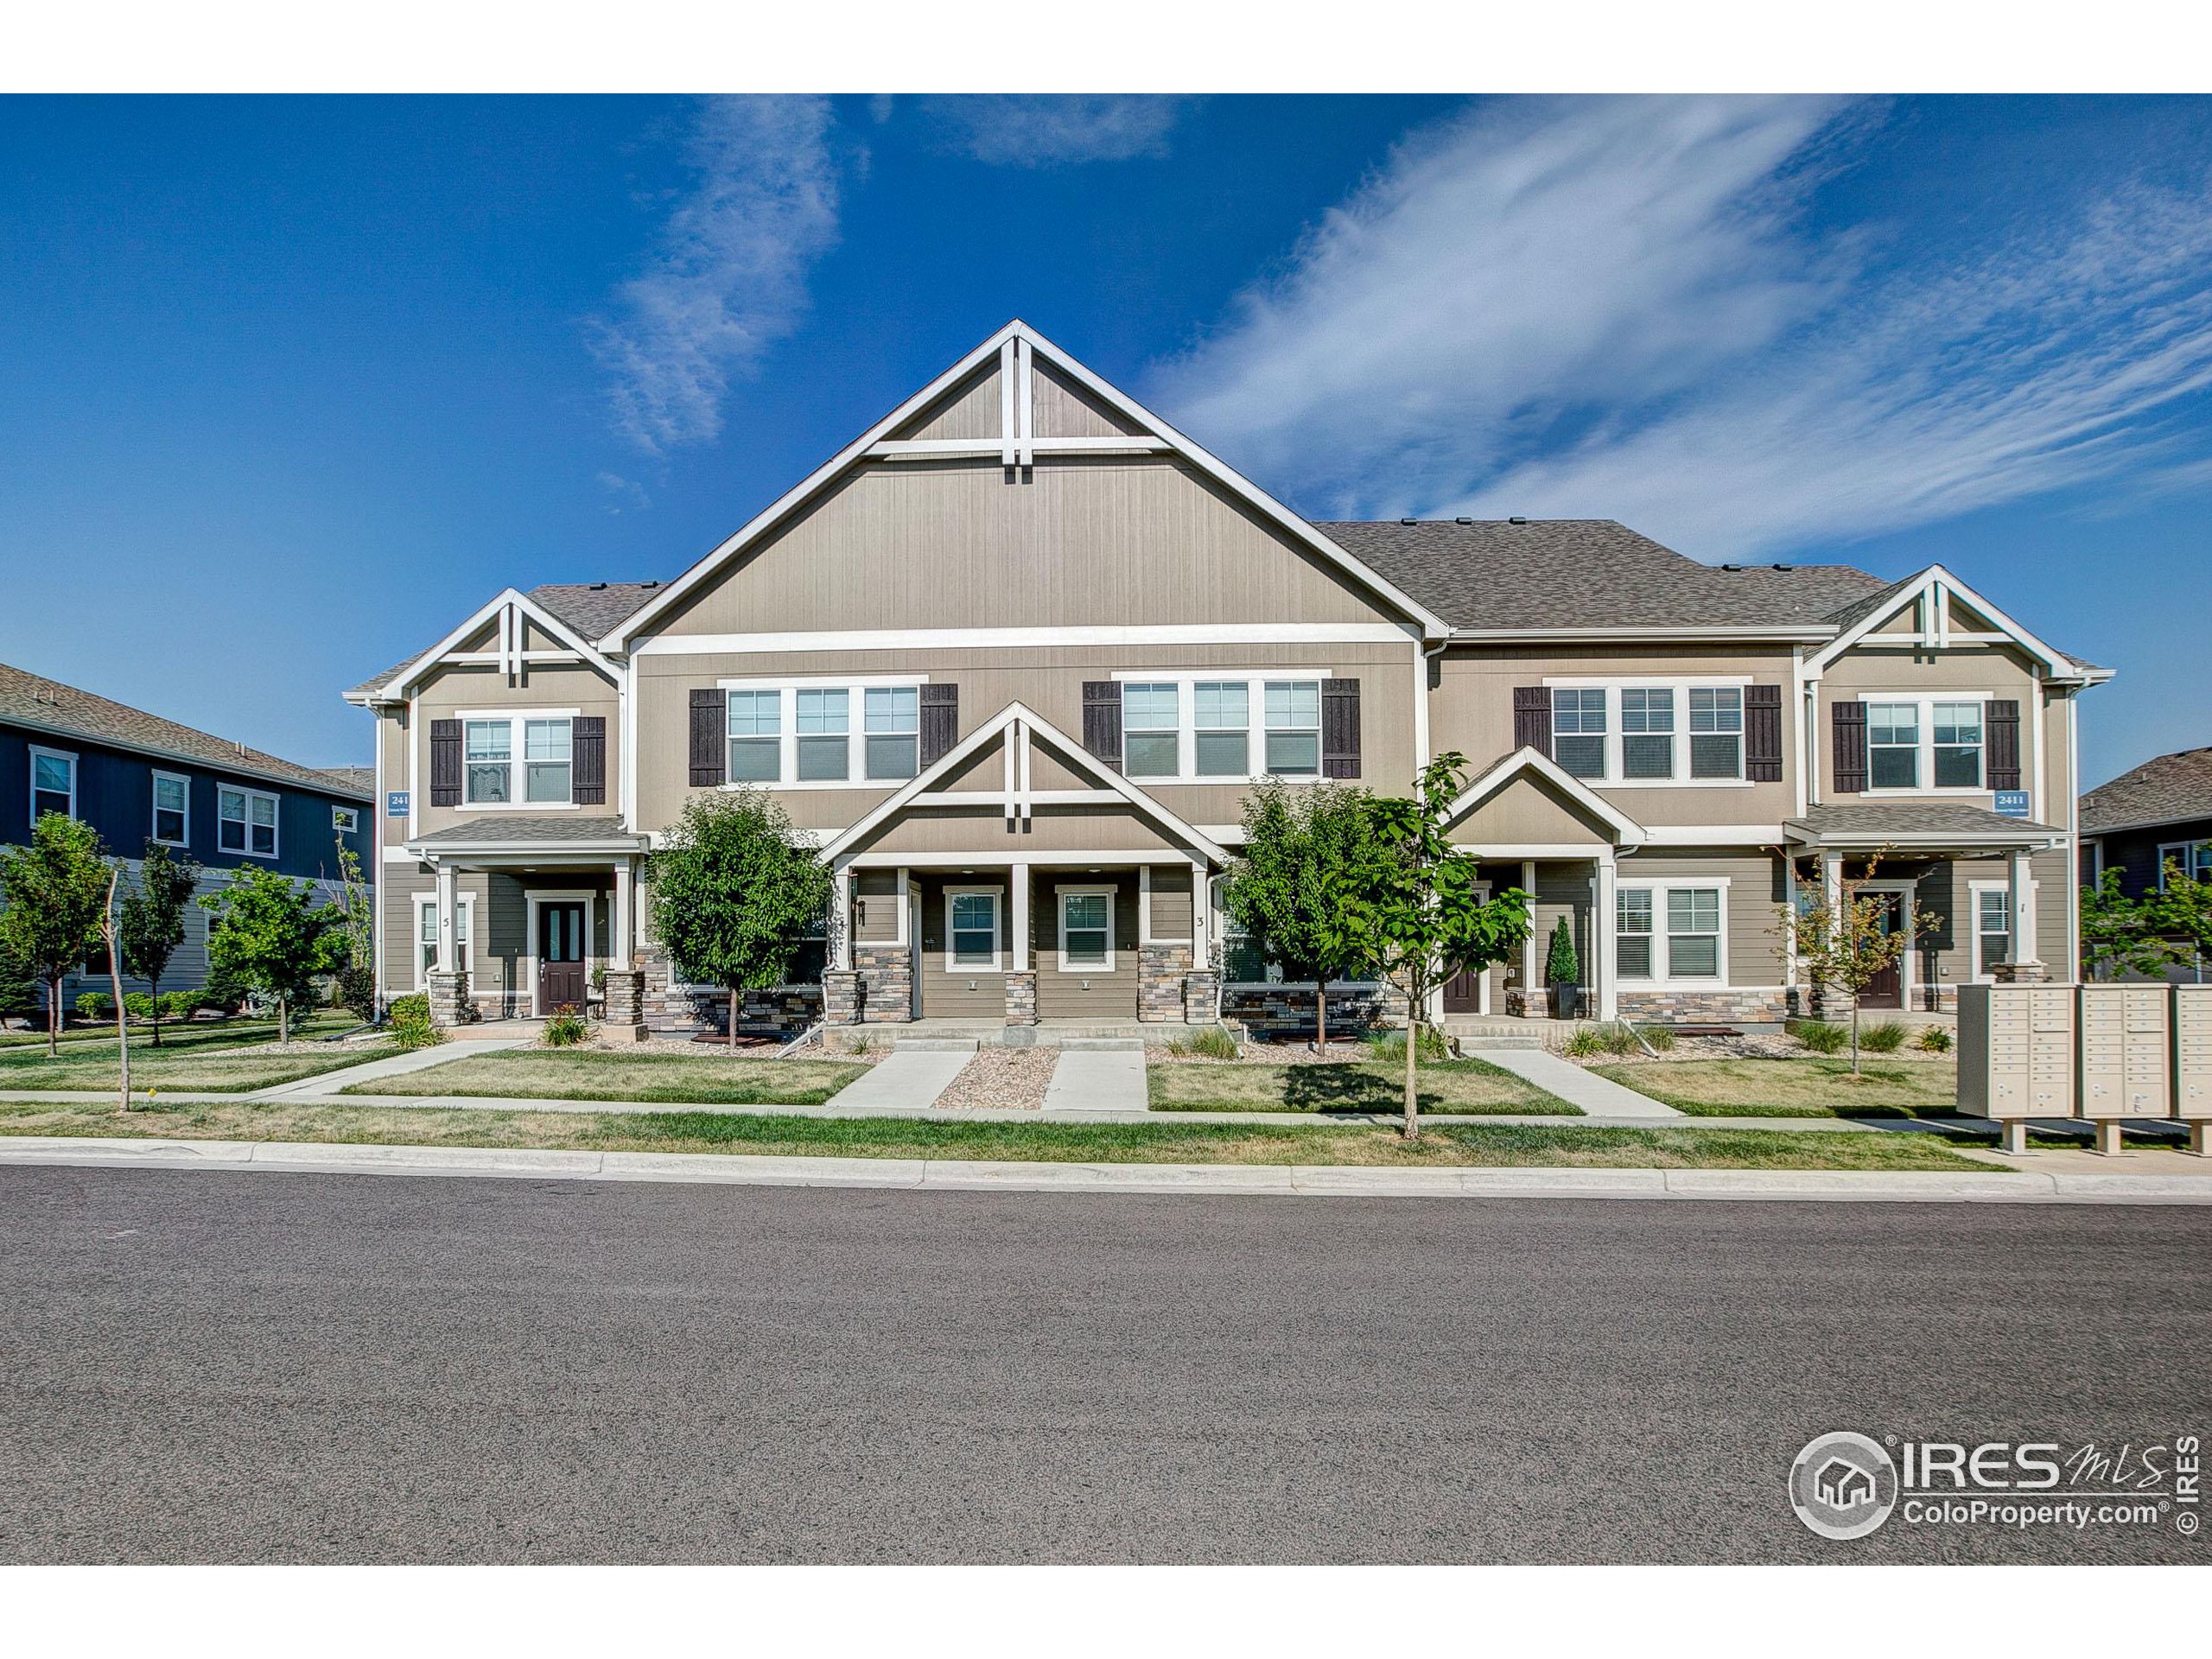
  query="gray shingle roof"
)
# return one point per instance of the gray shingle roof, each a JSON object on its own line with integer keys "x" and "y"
{"x": 1873, "y": 820}
{"x": 2167, "y": 789}
{"x": 521, "y": 827}
{"x": 594, "y": 608}
{"x": 31, "y": 700}
{"x": 1595, "y": 573}
{"x": 359, "y": 780}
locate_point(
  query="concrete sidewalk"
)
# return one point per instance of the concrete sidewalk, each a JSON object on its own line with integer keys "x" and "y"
{"x": 420, "y": 1059}
{"x": 909, "y": 1078}
{"x": 1597, "y": 1097}
{"x": 1098, "y": 1080}
{"x": 2028, "y": 1187}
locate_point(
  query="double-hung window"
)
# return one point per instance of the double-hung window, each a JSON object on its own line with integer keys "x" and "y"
{"x": 2192, "y": 858}
{"x": 172, "y": 808}
{"x": 495, "y": 747}
{"x": 1716, "y": 731}
{"x": 1087, "y": 929}
{"x": 426, "y": 934}
{"x": 1632, "y": 946}
{"x": 756, "y": 737}
{"x": 246, "y": 822}
{"x": 824, "y": 734}
{"x": 53, "y": 784}
{"x": 1220, "y": 725}
{"x": 1993, "y": 929}
{"x": 893, "y": 737}
{"x": 488, "y": 751}
{"x": 1151, "y": 729}
{"x": 971, "y": 930}
{"x": 1579, "y": 730}
{"x": 1667, "y": 933}
{"x": 1957, "y": 732}
{"x": 1893, "y": 745}
{"x": 1647, "y": 731}
{"x": 1294, "y": 709}
{"x": 1692, "y": 932}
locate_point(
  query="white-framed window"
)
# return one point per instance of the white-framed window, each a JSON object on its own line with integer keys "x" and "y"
{"x": 54, "y": 783}
{"x": 799, "y": 734}
{"x": 1927, "y": 743}
{"x": 2195, "y": 858}
{"x": 526, "y": 758}
{"x": 1086, "y": 930}
{"x": 1992, "y": 926}
{"x": 426, "y": 935}
{"x": 1645, "y": 734}
{"x": 246, "y": 821}
{"x": 971, "y": 930}
{"x": 1221, "y": 726}
{"x": 1671, "y": 932}
{"x": 172, "y": 809}
{"x": 346, "y": 820}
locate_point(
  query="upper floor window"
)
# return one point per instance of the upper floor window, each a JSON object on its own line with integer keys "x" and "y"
{"x": 1913, "y": 743}
{"x": 2193, "y": 858}
{"x": 825, "y": 724}
{"x": 804, "y": 733}
{"x": 1294, "y": 727}
{"x": 1957, "y": 732}
{"x": 1221, "y": 723}
{"x": 53, "y": 784}
{"x": 346, "y": 820}
{"x": 1636, "y": 733}
{"x": 495, "y": 747}
{"x": 172, "y": 808}
{"x": 1716, "y": 731}
{"x": 1196, "y": 729}
{"x": 1647, "y": 731}
{"x": 1579, "y": 731}
{"x": 1151, "y": 729}
{"x": 246, "y": 822}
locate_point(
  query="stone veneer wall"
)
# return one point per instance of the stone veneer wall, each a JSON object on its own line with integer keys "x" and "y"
{"x": 675, "y": 1011}
{"x": 1277, "y": 1011}
{"x": 1020, "y": 997}
{"x": 886, "y": 974}
{"x": 1160, "y": 972}
{"x": 1718, "y": 1007}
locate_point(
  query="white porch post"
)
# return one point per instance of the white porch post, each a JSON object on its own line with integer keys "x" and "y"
{"x": 1608, "y": 931}
{"x": 1531, "y": 944}
{"x": 446, "y": 913}
{"x": 1017, "y": 877}
{"x": 2020, "y": 905}
{"x": 1832, "y": 883}
{"x": 1201, "y": 908}
{"x": 841, "y": 925}
{"x": 625, "y": 905}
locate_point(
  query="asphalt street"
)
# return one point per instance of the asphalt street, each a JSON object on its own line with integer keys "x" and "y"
{"x": 211, "y": 1367}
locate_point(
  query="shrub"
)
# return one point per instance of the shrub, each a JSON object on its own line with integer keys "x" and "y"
{"x": 566, "y": 1028}
{"x": 95, "y": 1005}
{"x": 1819, "y": 1035}
{"x": 1933, "y": 1040}
{"x": 1587, "y": 1042}
{"x": 1385, "y": 1046}
{"x": 1659, "y": 1037}
{"x": 409, "y": 1018}
{"x": 1212, "y": 1044}
{"x": 1886, "y": 1038}
{"x": 139, "y": 1004}
{"x": 178, "y": 1005}
{"x": 1561, "y": 965}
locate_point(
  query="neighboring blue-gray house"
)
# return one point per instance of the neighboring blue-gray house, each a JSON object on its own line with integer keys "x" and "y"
{"x": 136, "y": 777}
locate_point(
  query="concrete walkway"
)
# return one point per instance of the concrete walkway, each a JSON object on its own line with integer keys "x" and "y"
{"x": 1597, "y": 1097}
{"x": 274, "y": 1157}
{"x": 908, "y": 1078}
{"x": 330, "y": 1083}
{"x": 1098, "y": 1080}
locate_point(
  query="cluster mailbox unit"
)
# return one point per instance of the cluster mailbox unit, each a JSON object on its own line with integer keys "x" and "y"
{"x": 2100, "y": 1053}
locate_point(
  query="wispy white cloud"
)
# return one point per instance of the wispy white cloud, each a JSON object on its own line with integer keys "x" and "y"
{"x": 727, "y": 277}
{"x": 1024, "y": 130}
{"x": 1610, "y": 309}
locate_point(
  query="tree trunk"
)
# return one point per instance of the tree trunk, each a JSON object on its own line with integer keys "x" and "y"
{"x": 1412, "y": 1084}
{"x": 114, "y": 943}
{"x": 1855, "y": 1034}
{"x": 54, "y": 1017}
{"x": 154, "y": 988}
{"x": 732, "y": 1019}
{"x": 1321, "y": 1016}
{"x": 283, "y": 1019}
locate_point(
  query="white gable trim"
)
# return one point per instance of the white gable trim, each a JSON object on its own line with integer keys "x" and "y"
{"x": 1017, "y": 346}
{"x": 1627, "y": 832}
{"x": 1016, "y": 721}
{"x": 508, "y": 607}
{"x": 1933, "y": 589}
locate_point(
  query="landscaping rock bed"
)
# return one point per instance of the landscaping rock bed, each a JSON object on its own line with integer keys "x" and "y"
{"x": 1002, "y": 1079}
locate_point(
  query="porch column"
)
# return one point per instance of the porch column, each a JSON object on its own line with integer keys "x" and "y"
{"x": 841, "y": 929}
{"x": 1607, "y": 929}
{"x": 626, "y": 926}
{"x": 1201, "y": 917}
{"x": 447, "y": 909}
{"x": 2020, "y": 908}
{"x": 1017, "y": 878}
{"x": 1530, "y": 945}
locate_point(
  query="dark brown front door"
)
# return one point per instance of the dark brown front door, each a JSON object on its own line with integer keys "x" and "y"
{"x": 1462, "y": 992}
{"x": 1886, "y": 988}
{"x": 560, "y": 957}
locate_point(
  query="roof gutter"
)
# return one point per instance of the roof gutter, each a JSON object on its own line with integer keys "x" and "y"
{"x": 1788, "y": 634}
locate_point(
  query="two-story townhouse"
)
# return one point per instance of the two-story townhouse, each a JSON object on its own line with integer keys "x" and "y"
{"x": 1017, "y": 654}
{"x": 138, "y": 778}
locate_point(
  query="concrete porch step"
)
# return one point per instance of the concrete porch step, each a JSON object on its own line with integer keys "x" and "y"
{"x": 935, "y": 1044}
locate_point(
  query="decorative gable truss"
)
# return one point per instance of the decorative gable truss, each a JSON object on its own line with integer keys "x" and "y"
{"x": 1530, "y": 768}
{"x": 1936, "y": 611}
{"x": 513, "y": 615}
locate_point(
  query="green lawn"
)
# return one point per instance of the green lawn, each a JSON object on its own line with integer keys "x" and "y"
{"x": 1447, "y": 1144}
{"x": 595, "y": 1074}
{"x": 182, "y": 1035}
{"x": 1473, "y": 1086}
{"x": 236, "y": 1070}
{"x": 1795, "y": 1088}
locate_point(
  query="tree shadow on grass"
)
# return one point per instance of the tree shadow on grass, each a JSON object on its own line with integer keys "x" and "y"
{"x": 1346, "y": 1088}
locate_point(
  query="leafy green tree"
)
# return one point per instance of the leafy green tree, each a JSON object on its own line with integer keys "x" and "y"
{"x": 1288, "y": 889}
{"x": 2163, "y": 929}
{"x": 1850, "y": 940}
{"x": 356, "y": 969}
{"x": 54, "y": 890}
{"x": 18, "y": 984}
{"x": 151, "y": 925}
{"x": 734, "y": 892}
{"x": 1414, "y": 904}
{"x": 268, "y": 936}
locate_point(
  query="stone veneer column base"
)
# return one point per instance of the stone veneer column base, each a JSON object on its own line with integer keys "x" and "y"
{"x": 449, "y": 1004}
{"x": 841, "y": 996}
{"x": 1160, "y": 972}
{"x": 1529, "y": 1004}
{"x": 885, "y": 973}
{"x": 624, "y": 1015}
{"x": 2019, "y": 973}
{"x": 1021, "y": 998}
{"x": 1201, "y": 999}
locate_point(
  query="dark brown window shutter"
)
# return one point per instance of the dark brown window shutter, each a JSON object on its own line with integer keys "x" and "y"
{"x": 1848, "y": 721}
{"x": 2001, "y": 721}
{"x": 1763, "y": 734}
{"x": 940, "y": 721}
{"x": 710, "y": 737}
{"x": 1340, "y": 729}
{"x": 445, "y": 763}
{"x": 1102, "y": 721}
{"x": 587, "y": 779}
{"x": 1532, "y": 719}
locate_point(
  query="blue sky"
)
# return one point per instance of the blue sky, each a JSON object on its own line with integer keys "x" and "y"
{"x": 287, "y": 385}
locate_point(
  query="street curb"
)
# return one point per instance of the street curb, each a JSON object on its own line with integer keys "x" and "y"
{"x": 962, "y": 1175}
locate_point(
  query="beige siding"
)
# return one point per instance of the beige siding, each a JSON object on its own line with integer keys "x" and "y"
{"x": 1472, "y": 711}
{"x": 970, "y": 409}
{"x": 1526, "y": 813}
{"x": 875, "y": 917}
{"x": 1085, "y": 994}
{"x": 961, "y": 993}
{"x": 1975, "y": 671}
{"x": 1752, "y": 918}
{"x": 937, "y": 831}
{"x": 1563, "y": 889}
{"x": 453, "y": 690}
{"x": 1065, "y": 409}
{"x": 1171, "y": 903}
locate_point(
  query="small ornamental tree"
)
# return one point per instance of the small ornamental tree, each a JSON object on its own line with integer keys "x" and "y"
{"x": 111, "y": 926}
{"x": 268, "y": 936}
{"x": 2161, "y": 929}
{"x": 355, "y": 955}
{"x": 1562, "y": 967}
{"x": 1412, "y": 905}
{"x": 734, "y": 892}
{"x": 54, "y": 890}
{"x": 19, "y": 994}
{"x": 1851, "y": 940}
{"x": 151, "y": 925}
{"x": 1288, "y": 889}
